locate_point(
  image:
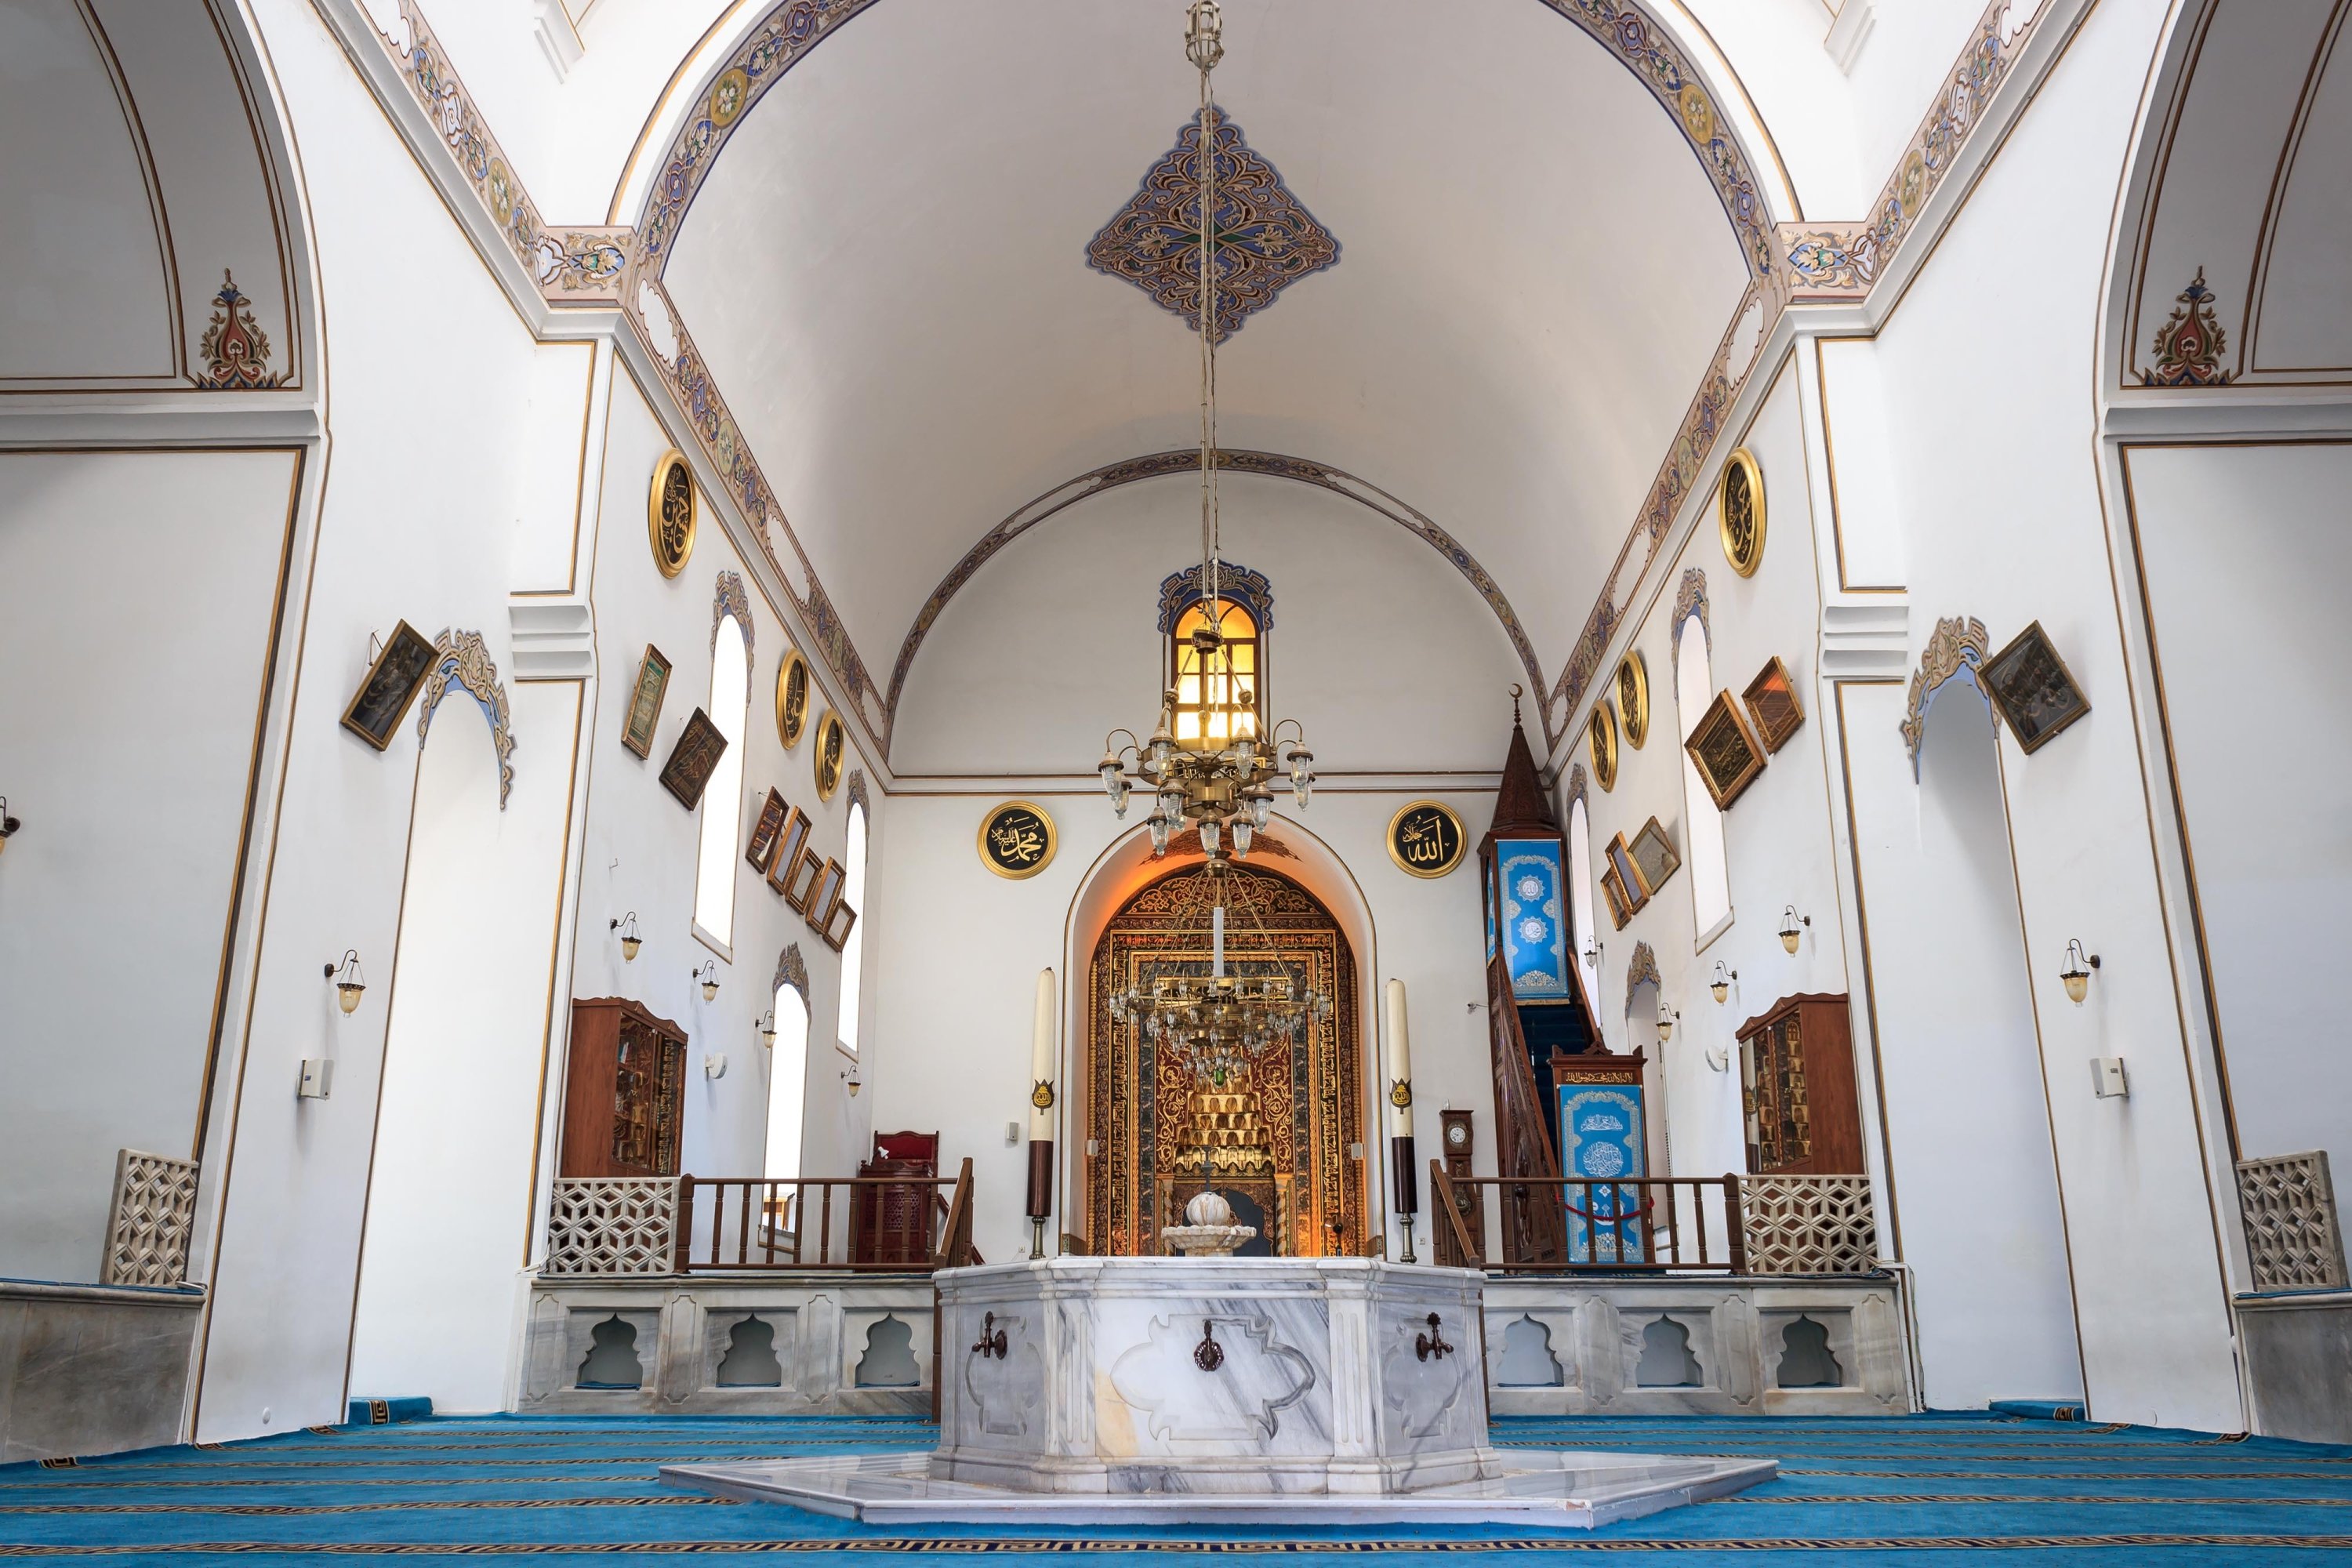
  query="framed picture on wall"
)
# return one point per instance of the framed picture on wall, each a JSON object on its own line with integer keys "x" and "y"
{"x": 762, "y": 851}
{"x": 693, "y": 759}
{"x": 1771, "y": 699}
{"x": 1653, "y": 858}
{"x": 645, "y": 703}
{"x": 1621, "y": 907}
{"x": 1628, "y": 878}
{"x": 838, "y": 923}
{"x": 1724, "y": 751}
{"x": 2033, "y": 688}
{"x": 382, "y": 701}
{"x": 803, "y": 880}
{"x": 822, "y": 895}
{"x": 791, "y": 840}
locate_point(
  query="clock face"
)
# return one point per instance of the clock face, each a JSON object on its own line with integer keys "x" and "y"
{"x": 1457, "y": 1135}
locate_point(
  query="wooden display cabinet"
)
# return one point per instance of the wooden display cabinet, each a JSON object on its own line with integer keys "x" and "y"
{"x": 1796, "y": 1073}
{"x": 624, "y": 1095}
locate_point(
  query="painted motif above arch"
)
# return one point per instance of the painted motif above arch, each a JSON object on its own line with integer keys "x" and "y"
{"x": 1690, "y": 599}
{"x": 792, "y": 970}
{"x": 462, "y": 658}
{"x": 1159, "y": 465}
{"x": 1573, "y": 792}
{"x": 858, "y": 794}
{"x": 1958, "y": 645}
{"x": 1181, "y": 590}
{"x": 728, "y": 597}
{"x": 1641, "y": 968}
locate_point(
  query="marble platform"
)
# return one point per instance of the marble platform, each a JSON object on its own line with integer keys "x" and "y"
{"x": 1094, "y": 1390}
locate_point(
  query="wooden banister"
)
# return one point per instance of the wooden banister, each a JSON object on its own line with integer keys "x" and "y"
{"x": 1441, "y": 1188}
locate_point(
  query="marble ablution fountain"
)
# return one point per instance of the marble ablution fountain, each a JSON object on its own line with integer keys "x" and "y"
{"x": 1211, "y": 1388}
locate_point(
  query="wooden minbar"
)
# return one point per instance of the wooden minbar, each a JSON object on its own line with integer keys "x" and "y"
{"x": 624, "y": 1094}
{"x": 1796, "y": 1073}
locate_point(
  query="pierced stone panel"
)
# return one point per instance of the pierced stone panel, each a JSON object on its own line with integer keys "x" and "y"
{"x": 2288, "y": 1204}
{"x": 1810, "y": 1225}
{"x": 612, "y": 1224}
{"x": 148, "y": 1224}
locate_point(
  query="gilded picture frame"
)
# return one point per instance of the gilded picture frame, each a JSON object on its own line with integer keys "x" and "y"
{"x": 2038, "y": 696}
{"x": 1601, "y": 732}
{"x": 839, "y": 921}
{"x": 1773, "y": 705}
{"x": 791, "y": 840}
{"x": 765, "y": 834}
{"x": 1724, "y": 749}
{"x": 1621, "y": 904}
{"x": 693, "y": 759}
{"x": 791, "y": 698}
{"x": 822, "y": 894}
{"x": 645, "y": 703}
{"x": 1634, "y": 697}
{"x": 803, "y": 880}
{"x": 827, "y": 759}
{"x": 673, "y": 512}
{"x": 1739, "y": 512}
{"x": 393, "y": 677}
{"x": 1426, "y": 839}
{"x": 1017, "y": 839}
{"x": 1653, "y": 857}
{"x": 1620, "y": 859}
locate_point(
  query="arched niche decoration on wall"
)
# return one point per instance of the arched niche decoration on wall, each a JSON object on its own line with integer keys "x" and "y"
{"x": 462, "y": 656}
{"x": 1574, "y": 791}
{"x": 729, "y": 598}
{"x": 1235, "y": 584}
{"x": 792, "y": 970}
{"x": 858, "y": 797}
{"x": 1644, "y": 966}
{"x": 1690, "y": 599}
{"x": 1958, "y": 645}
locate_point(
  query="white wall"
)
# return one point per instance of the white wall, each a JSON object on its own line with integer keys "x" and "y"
{"x": 2233, "y": 538}
{"x": 138, "y": 590}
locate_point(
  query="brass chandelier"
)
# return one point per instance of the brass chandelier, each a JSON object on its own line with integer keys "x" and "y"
{"x": 1226, "y": 1017}
{"x": 1224, "y": 790}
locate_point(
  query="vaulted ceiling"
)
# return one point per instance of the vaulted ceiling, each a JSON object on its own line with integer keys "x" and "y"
{"x": 886, "y": 268}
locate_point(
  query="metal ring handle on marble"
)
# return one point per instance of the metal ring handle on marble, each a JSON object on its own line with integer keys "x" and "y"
{"x": 1208, "y": 1355}
{"x": 1431, "y": 1344}
{"x": 991, "y": 1343}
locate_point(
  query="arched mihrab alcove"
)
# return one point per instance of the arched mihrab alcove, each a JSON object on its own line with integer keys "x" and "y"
{"x": 1284, "y": 1134}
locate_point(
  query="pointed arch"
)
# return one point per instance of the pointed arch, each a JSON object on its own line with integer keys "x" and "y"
{"x": 463, "y": 658}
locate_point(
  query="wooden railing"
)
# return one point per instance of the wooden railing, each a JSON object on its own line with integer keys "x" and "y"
{"x": 903, "y": 1225}
{"x": 1648, "y": 1224}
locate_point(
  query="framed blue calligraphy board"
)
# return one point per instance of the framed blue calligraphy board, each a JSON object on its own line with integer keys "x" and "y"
{"x": 1601, "y": 1136}
{"x": 1530, "y": 898}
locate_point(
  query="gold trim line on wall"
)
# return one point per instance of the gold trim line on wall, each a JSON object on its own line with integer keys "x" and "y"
{"x": 672, "y": 511}
{"x": 1739, "y": 512}
{"x": 1016, "y": 839}
{"x": 1426, "y": 838}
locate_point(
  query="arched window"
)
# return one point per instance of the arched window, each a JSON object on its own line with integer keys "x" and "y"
{"x": 1710, "y": 870}
{"x": 1214, "y": 708}
{"x": 722, "y": 797}
{"x": 852, "y": 952}
{"x": 1581, "y": 932}
{"x": 787, "y": 1083}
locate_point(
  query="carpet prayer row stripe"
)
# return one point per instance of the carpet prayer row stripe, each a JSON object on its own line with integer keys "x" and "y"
{"x": 659, "y": 1500}
{"x": 961, "y": 1546}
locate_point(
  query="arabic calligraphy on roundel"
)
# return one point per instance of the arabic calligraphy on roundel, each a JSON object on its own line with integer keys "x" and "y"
{"x": 1017, "y": 843}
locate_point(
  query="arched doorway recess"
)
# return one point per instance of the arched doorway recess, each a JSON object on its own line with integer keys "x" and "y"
{"x": 1286, "y": 1138}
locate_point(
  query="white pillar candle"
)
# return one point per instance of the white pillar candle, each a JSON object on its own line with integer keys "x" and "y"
{"x": 1400, "y": 1053}
{"x": 1041, "y": 1056}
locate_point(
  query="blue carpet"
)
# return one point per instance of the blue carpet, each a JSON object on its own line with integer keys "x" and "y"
{"x": 536, "y": 1490}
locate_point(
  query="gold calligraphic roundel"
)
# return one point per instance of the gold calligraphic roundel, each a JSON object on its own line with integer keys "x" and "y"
{"x": 1633, "y": 699}
{"x": 1605, "y": 746}
{"x": 1739, "y": 512}
{"x": 670, "y": 512}
{"x": 1425, "y": 839}
{"x": 831, "y": 754}
{"x": 1016, "y": 839}
{"x": 791, "y": 698}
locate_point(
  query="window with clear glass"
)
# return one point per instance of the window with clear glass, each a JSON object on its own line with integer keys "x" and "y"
{"x": 722, "y": 796}
{"x": 1710, "y": 871}
{"x": 853, "y": 951}
{"x": 787, "y": 1084}
{"x": 1220, "y": 693}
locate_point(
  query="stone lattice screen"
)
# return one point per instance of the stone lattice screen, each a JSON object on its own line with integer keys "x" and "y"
{"x": 2288, "y": 1204}
{"x": 148, "y": 1222}
{"x": 612, "y": 1225}
{"x": 1810, "y": 1225}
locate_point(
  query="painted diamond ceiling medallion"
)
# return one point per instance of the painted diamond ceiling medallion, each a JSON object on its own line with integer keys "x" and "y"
{"x": 1265, "y": 240}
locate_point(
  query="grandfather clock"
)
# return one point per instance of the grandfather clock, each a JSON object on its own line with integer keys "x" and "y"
{"x": 1457, "y": 1143}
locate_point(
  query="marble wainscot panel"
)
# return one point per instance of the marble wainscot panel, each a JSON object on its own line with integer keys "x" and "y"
{"x": 1094, "y": 1390}
{"x": 92, "y": 1369}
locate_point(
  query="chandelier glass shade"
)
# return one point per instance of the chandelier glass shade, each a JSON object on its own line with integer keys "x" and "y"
{"x": 1219, "y": 783}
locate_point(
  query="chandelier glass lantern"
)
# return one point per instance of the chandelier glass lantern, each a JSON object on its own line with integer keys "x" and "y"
{"x": 1216, "y": 784}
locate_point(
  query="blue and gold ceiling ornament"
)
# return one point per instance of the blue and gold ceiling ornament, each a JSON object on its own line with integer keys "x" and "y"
{"x": 1265, "y": 239}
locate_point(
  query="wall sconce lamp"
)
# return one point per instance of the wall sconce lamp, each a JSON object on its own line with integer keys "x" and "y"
{"x": 709, "y": 975}
{"x": 349, "y": 981}
{"x": 630, "y": 940}
{"x": 1721, "y": 983}
{"x": 851, "y": 1076}
{"x": 1790, "y": 921}
{"x": 1666, "y": 1016}
{"x": 8, "y": 824}
{"x": 768, "y": 1029}
{"x": 1591, "y": 953}
{"x": 2077, "y": 977}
